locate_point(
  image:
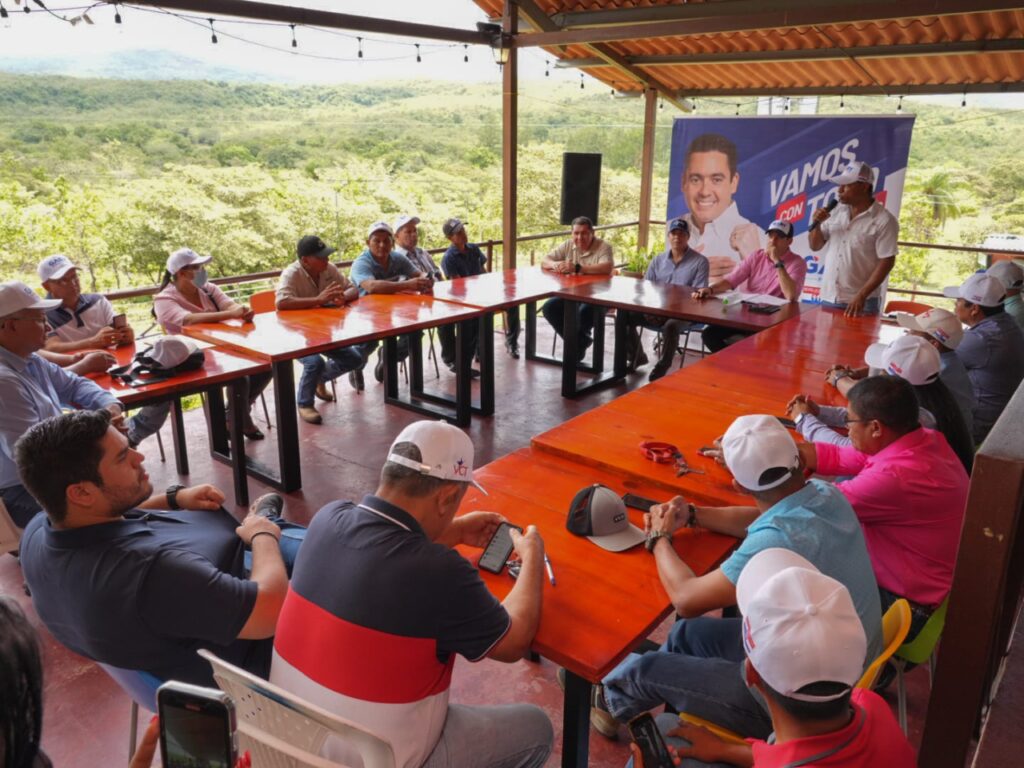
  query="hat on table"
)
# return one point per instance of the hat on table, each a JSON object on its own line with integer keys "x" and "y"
{"x": 909, "y": 357}
{"x": 940, "y": 324}
{"x": 598, "y": 513}
{"x": 446, "y": 452}
{"x": 1009, "y": 272}
{"x": 312, "y": 245}
{"x": 855, "y": 172}
{"x": 799, "y": 625}
{"x": 755, "y": 447}
{"x": 55, "y": 267}
{"x": 980, "y": 288}
{"x": 185, "y": 257}
{"x": 16, "y": 296}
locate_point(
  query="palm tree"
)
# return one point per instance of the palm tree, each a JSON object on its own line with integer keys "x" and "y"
{"x": 939, "y": 189}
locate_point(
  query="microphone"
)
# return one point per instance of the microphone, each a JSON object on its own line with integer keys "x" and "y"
{"x": 831, "y": 205}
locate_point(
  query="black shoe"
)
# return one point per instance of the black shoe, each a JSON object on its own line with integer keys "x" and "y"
{"x": 268, "y": 505}
{"x": 378, "y": 369}
{"x": 659, "y": 370}
{"x": 583, "y": 349}
{"x": 355, "y": 378}
{"x": 473, "y": 372}
{"x": 513, "y": 349}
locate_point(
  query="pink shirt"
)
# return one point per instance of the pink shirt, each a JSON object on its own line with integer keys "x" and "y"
{"x": 760, "y": 274}
{"x": 873, "y": 737}
{"x": 910, "y": 499}
{"x": 172, "y": 307}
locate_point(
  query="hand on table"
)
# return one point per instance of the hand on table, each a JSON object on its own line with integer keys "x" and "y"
{"x": 92, "y": 362}
{"x": 332, "y": 294}
{"x": 200, "y": 497}
{"x": 105, "y": 337}
{"x": 855, "y": 307}
{"x": 668, "y": 517}
{"x": 702, "y": 293}
{"x": 714, "y": 451}
{"x": 477, "y": 528}
{"x": 802, "y": 404}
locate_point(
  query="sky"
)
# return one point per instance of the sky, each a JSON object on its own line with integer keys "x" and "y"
{"x": 322, "y": 56}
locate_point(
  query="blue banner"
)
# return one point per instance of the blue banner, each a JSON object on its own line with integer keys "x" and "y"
{"x": 732, "y": 176}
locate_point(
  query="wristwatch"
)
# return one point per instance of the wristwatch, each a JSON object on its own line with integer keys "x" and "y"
{"x": 652, "y": 539}
{"x": 780, "y": 265}
{"x": 799, "y": 418}
{"x": 172, "y": 495}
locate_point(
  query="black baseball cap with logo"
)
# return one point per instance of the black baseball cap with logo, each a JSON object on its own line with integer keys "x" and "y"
{"x": 598, "y": 513}
{"x": 312, "y": 245}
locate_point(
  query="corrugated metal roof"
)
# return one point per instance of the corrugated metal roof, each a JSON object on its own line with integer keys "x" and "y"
{"x": 961, "y": 49}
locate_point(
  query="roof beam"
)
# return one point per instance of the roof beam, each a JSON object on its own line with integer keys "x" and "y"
{"x": 529, "y": 10}
{"x": 809, "y": 54}
{"x": 853, "y": 90}
{"x": 312, "y": 18}
{"x": 740, "y": 15}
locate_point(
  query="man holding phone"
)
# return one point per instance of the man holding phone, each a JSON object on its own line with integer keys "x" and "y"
{"x": 381, "y": 604}
{"x": 118, "y": 581}
{"x": 86, "y": 321}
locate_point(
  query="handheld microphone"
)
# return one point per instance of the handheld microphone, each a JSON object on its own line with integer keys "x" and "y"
{"x": 831, "y": 205}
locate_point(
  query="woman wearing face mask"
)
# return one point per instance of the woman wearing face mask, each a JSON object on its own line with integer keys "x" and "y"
{"x": 186, "y": 297}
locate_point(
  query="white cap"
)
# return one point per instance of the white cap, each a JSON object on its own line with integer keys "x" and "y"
{"x": 16, "y": 296}
{"x": 854, "y": 172}
{"x": 980, "y": 288}
{"x": 446, "y": 452}
{"x": 909, "y": 357}
{"x": 1009, "y": 272}
{"x": 185, "y": 257}
{"x": 784, "y": 228}
{"x": 169, "y": 351}
{"x": 755, "y": 444}
{"x": 377, "y": 226}
{"x": 401, "y": 221}
{"x": 799, "y": 625}
{"x": 940, "y": 324}
{"x": 54, "y": 267}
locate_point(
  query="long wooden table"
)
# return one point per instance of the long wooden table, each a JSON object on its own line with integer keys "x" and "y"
{"x": 282, "y": 337}
{"x": 221, "y": 368}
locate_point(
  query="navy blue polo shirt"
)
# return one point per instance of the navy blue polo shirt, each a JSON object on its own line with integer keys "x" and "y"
{"x": 146, "y": 591}
{"x": 466, "y": 263}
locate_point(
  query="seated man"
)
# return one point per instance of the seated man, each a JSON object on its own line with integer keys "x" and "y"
{"x": 584, "y": 254}
{"x": 697, "y": 670}
{"x": 908, "y": 489}
{"x": 463, "y": 259}
{"x": 381, "y": 604}
{"x": 312, "y": 281}
{"x": 1012, "y": 277}
{"x": 379, "y": 269}
{"x": 33, "y": 389}
{"x": 992, "y": 349}
{"x": 774, "y": 270}
{"x": 803, "y": 643}
{"x": 86, "y": 322}
{"x": 144, "y": 590}
{"x": 679, "y": 265}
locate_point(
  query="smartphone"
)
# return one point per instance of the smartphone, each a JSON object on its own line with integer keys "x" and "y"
{"x": 120, "y": 321}
{"x": 652, "y": 745}
{"x": 498, "y": 548}
{"x": 197, "y": 727}
{"x": 638, "y": 502}
{"x": 787, "y": 423}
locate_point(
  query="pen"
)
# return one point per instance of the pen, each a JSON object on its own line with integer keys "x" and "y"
{"x": 551, "y": 573}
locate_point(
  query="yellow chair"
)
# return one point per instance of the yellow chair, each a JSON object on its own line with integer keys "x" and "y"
{"x": 918, "y": 651}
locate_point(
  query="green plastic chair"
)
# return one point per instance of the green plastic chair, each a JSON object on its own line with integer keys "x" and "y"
{"x": 918, "y": 651}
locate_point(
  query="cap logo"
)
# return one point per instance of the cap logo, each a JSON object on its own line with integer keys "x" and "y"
{"x": 53, "y": 260}
{"x": 748, "y": 636}
{"x": 619, "y": 518}
{"x": 460, "y": 469}
{"x": 940, "y": 334}
{"x": 27, "y": 291}
{"x": 893, "y": 368}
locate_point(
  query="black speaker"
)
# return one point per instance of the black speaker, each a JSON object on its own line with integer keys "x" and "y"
{"x": 581, "y": 185}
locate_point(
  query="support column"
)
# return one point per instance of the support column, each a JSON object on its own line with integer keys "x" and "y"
{"x": 510, "y": 141}
{"x": 647, "y": 166}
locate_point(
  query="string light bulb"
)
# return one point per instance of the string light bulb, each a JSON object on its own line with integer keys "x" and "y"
{"x": 693, "y": 103}
{"x": 964, "y": 102}
{"x": 737, "y": 110}
{"x": 360, "y": 53}
{"x": 581, "y": 81}
{"x": 842, "y": 102}
{"x": 3, "y": 12}
{"x": 418, "y": 57}
{"x": 899, "y": 104}
{"x": 117, "y": 14}
{"x": 547, "y": 69}
{"x": 295, "y": 43}
{"x": 213, "y": 32}
{"x": 465, "y": 53}
{"x": 661, "y": 105}
{"x": 786, "y": 108}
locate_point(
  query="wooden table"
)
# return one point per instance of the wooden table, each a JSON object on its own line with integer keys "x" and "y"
{"x": 281, "y": 337}
{"x": 603, "y": 603}
{"x": 630, "y": 294}
{"x": 221, "y": 368}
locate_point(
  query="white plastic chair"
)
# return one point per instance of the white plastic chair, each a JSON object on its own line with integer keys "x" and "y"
{"x": 281, "y": 730}
{"x": 10, "y": 534}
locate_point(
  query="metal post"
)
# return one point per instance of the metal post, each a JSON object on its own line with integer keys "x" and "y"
{"x": 510, "y": 140}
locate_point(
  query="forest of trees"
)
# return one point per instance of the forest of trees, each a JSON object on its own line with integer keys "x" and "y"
{"x": 116, "y": 174}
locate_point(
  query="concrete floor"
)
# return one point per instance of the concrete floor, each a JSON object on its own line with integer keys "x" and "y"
{"x": 86, "y": 718}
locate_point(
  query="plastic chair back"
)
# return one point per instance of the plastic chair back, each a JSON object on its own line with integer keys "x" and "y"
{"x": 913, "y": 307}
{"x": 140, "y": 686}
{"x": 269, "y": 717}
{"x": 10, "y": 534}
{"x": 918, "y": 650}
{"x": 895, "y": 626}
{"x": 264, "y": 301}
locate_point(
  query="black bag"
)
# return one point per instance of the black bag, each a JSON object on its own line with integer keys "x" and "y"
{"x": 166, "y": 358}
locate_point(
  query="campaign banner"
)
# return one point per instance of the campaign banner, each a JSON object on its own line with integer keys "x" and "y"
{"x": 745, "y": 172}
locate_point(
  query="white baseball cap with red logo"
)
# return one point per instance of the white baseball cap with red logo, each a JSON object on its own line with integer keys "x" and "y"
{"x": 909, "y": 357}
{"x": 941, "y": 324}
{"x": 446, "y": 452}
{"x": 980, "y": 288}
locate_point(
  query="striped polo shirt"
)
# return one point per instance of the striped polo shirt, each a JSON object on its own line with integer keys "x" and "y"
{"x": 374, "y": 617}
{"x": 92, "y": 312}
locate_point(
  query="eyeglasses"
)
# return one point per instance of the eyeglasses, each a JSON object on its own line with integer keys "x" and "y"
{"x": 848, "y": 420}
{"x": 40, "y": 319}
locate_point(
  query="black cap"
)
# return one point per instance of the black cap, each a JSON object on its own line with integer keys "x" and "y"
{"x": 452, "y": 226}
{"x": 679, "y": 223}
{"x": 312, "y": 245}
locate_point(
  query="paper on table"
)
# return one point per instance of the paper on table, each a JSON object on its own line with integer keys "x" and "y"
{"x": 735, "y": 297}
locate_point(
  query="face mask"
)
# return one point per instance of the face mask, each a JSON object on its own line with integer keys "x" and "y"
{"x": 201, "y": 277}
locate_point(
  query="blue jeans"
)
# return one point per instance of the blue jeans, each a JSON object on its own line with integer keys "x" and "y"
{"x": 870, "y": 306}
{"x": 326, "y": 367}
{"x": 292, "y": 535}
{"x": 699, "y": 670}
{"x": 147, "y": 421}
{"x": 510, "y": 736}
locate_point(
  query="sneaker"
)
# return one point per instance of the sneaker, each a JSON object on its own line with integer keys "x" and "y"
{"x": 512, "y": 347}
{"x": 378, "y": 369}
{"x": 267, "y": 505}
{"x": 309, "y": 415}
{"x": 601, "y": 720}
{"x": 659, "y": 370}
{"x": 323, "y": 393}
{"x": 355, "y": 378}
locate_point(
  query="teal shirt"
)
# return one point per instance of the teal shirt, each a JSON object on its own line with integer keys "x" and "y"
{"x": 818, "y": 523}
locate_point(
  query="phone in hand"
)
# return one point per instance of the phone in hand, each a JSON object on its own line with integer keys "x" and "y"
{"x": 498, "y": 548}
{"x": 197, "y": 727}
{"x": 638, "y": 502}
{"x": 652, "y": 745}
{"x": 119, "y": 321}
